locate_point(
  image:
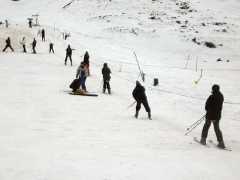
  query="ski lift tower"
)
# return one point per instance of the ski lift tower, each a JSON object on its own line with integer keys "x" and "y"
{"x": 35, "y": 16}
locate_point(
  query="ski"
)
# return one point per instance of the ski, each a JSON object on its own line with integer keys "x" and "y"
{"x": 213, "y": 143}
{"x": 198, "y": 141}
{"x": 83, "y": 94}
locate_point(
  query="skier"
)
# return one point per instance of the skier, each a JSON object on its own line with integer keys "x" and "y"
{"x": 68, "y": 54}
{"x": 86, "y": 61}
{"x": 82, "y": 76}
{"x": 106, "y": 78}
{"x": 34, "y": 43}
{"x": 141, "y": 98}
{"x": 43, "y": 34}
{"x": 51, "y": 48}
{"x": 8, "y": 45}
{"x": 30, "y": 22}
{"x": 23, "y": 43}
{"x": 213, "y": 107}
{"x": 6, "y": 23}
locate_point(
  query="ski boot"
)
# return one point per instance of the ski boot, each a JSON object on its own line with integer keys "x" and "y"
{"x": 203, "y": 141}
{"x": 136, "y": 114}
{"x": 221, "y": 145}
{"x": 109, "y": 91}
{"x": 149, "y": 116}
{"x": 103, "y": 90}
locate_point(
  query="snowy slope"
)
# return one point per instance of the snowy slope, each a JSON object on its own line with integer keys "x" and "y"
{"x": 47, "y": 134}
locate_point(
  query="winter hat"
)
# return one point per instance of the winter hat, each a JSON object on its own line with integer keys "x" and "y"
{"x": 138, "y": 83}
{"x": 215, "y": 88}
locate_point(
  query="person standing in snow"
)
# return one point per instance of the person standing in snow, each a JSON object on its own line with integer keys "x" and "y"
{"x": 68, "y": 54}
{"x": 51, "y": 48}
{"x": 8, "y": 45}
{"x": 106, "y": 78}
{"x": 86, "y": 61}
{"x": 23, "y": 43}
{"x": 34, "y": 44}
{"x": 43, "y": 34}
{"x": 30, "y": 22}
{"x": 213, "y": 109}
{"x": 141, "y": 98}
{"x": 82, "y": 76}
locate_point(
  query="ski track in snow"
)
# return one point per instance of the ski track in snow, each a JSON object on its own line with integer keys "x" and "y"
{"x": 47, "y": 134}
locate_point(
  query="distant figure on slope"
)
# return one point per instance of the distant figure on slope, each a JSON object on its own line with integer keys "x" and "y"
{"x": 8, "y": 44}
{"x": 86, "y": 61}
{"x": 141, "y": 98}
{"x": 30, "y": 22}
{"x": 43, "y": 34}
{"x": 213, "y": 107}
{"x": 68, "y": 54}
{"x": 51, "y": 48}
{"x": 6, "y": 23}
{"x": 23, "y": 43}
{"x": 106, "y": 78}
{"x": 82, "y": 76}
{"x": 34, "y": 44}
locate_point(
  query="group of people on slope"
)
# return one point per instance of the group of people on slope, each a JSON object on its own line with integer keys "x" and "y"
{"x": 33, "y": 44}
{"x": 213, "y": 107}
{"x": 83, "y": 72}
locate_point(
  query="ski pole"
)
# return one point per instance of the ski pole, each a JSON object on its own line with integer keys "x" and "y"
{"x": 196, "y": 122}
{"x": 194, "y": 125}
{"x": 131, "y": 104}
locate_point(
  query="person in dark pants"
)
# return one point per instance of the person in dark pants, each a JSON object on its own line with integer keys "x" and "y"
{"x": 86, "y": 61}
{"x": 106, "y": 78}
{"x": 43, "y": 34}
{"x": 68, "y": 55}
{"x": 30, "y": 23}
{"x": 213, "y": 107}
{"x": 51, "y": 48}
{"x": 23, "y": 43}
{"x": 8, "y": 45}
{"x": 82, "y": 76}
{"x": 141, "y": 98}
{"x": 34, "y": 43}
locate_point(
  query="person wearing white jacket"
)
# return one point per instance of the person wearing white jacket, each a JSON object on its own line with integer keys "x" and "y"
{"x": 23, "y": 43}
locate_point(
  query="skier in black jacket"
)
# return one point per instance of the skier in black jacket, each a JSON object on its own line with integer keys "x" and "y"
{"x": 34, "y": 43}
{"x": 8, "y": 44}
{"x": 68, "y": 54}
{"x": 43, "y": 34}
{"x": 141, "y": 98}
{"x": 106, "y": 78}
{"x": 213, "y": 107}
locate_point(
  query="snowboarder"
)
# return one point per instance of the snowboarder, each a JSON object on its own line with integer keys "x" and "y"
{"x": 34, "y": 43}
{"x": 106, "y": 78}
{"x": 51, "y": 48}
{"x": 213, "y": 107}
{"x": 68, "y": 54}
{"x": 8, "y": 44}
{"x": 82, "y": 76}
{"x": 43, "y": 34}
{"x": 23, "y": 43}
{"x": 141, "y": 98}
{"x": 86, "y": 61}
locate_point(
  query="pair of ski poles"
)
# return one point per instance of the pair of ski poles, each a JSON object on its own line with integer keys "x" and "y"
{"x": 195, "y": 124}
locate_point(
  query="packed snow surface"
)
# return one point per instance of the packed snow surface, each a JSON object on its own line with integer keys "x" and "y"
{"x": 47, "y": 134}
